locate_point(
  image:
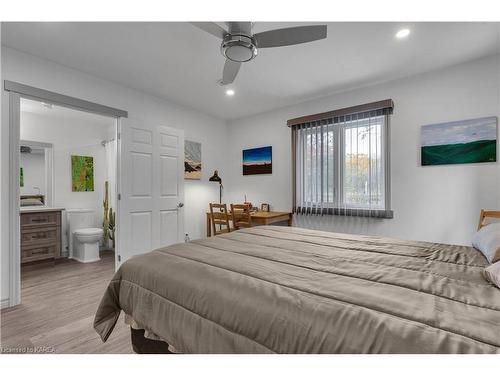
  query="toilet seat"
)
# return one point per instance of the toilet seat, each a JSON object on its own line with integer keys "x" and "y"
{"x": 88, "y": 231}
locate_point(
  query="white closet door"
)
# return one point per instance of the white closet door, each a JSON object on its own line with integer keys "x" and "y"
{"x": 151, "y": 191}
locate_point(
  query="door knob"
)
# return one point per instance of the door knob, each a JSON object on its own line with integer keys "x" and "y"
{"x": 180, "y": 205}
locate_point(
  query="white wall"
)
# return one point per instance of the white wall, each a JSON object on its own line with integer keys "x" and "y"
{"x": 210, "y": 131}
{"x": 33, "y": 165}
{"x": 439, "y": 203}
{"x": 71, "y": 138}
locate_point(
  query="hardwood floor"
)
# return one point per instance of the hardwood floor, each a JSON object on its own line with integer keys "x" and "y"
{"x": 57, "y": 310}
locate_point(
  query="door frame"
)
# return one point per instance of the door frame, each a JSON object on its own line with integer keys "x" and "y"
{"x": 18, "y": 91}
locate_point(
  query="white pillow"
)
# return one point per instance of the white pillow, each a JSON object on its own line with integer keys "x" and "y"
{"x": 487, "y": 241}
{"x": 492, "y": 273}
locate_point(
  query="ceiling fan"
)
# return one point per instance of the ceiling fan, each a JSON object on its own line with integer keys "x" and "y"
{"x": 240, "y": 45}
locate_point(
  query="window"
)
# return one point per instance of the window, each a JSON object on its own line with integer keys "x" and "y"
{"x": 341, "y": 162}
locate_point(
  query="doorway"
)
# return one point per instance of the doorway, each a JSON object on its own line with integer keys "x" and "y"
{"x": 67, "y": 165}
{"x": 56, "y": 187}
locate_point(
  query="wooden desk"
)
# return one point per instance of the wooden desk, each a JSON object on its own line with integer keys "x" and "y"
{"x": 259, "y": 218}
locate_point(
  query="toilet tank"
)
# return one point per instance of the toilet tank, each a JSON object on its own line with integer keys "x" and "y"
{"x": 78, "y": 218}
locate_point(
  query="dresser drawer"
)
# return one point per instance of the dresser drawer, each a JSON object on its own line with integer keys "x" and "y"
{"x": 37, "y": 236}
{"x": 38, "y": 253}
{"x": 40, "y": 218}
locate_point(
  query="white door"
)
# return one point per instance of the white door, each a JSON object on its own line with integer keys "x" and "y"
{"x": 151, "y": 188}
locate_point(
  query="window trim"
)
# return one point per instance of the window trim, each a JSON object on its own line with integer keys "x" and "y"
{"x": 383, "y": 107}
{"x": 387, "y": 105}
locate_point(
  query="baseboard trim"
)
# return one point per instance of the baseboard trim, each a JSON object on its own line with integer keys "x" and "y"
{"x": 5, "y": 303}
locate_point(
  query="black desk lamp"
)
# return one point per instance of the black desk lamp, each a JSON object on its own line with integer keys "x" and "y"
{"x": 216, "y": 178}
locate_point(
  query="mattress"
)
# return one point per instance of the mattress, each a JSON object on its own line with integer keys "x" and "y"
{"x": 272, "y": 289}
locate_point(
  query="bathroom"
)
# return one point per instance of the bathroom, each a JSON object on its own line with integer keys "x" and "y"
{"x": 67, "y": 164}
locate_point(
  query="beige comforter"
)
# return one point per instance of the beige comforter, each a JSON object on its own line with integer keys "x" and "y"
{"x": 276, "y": 289}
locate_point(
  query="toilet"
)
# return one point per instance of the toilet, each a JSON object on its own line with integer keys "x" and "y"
{"x": 83, "y": 236}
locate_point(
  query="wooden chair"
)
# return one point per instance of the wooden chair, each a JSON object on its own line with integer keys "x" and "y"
{"x": 484, "y": 214}
{"x": 220, "y": 217}
{"x": 241, "y": 216}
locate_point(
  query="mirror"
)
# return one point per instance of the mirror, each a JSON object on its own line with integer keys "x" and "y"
{"x": 35, "y": 173}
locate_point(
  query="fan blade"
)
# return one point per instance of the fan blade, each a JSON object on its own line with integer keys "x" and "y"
{"x": 211, "y": 28}
{"x": 231, "y": 69}
{"x": 290, "y": 36}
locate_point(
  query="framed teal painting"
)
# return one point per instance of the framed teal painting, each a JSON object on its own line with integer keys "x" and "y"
{"x": 459, "y": 142}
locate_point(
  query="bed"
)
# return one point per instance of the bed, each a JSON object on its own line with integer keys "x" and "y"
{"x": 272, "y": 289}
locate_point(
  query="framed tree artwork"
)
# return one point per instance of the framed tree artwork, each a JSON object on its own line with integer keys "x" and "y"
{"x": 82, "y": 173}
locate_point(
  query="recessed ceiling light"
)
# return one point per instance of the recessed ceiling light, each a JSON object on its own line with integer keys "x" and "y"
{"x": 403, "y": 33}
{"x": 229, "y": 92}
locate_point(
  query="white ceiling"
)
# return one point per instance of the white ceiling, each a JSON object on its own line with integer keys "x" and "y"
{"x": 181, "y": 63}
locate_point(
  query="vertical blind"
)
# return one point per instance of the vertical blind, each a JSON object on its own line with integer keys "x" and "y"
{"x": 340, "y": 162}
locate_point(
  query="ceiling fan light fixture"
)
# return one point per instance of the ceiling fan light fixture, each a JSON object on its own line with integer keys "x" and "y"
{"x": 238, "y": 48}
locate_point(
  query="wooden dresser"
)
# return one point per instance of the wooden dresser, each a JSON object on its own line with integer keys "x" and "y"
{"x": 40, "y": 235}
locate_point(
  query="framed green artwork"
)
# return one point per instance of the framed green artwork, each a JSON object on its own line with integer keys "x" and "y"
{"x": 460, "y": 142}
{"x": 82, "y": 173}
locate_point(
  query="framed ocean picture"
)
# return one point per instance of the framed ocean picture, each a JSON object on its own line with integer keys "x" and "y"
{"x": 459, "y": 142}
{"x": 192, "y": 160}
{"x": 258, "y": 160}
{"x": 82, "y": 173}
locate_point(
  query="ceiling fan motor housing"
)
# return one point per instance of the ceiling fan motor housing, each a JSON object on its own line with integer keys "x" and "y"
{"x": 238, "y": 47}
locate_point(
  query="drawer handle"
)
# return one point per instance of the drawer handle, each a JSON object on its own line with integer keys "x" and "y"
{"x": 39, "y": 220}
{"x": 39, "y": 251}
{"x": 39, "y": 236}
